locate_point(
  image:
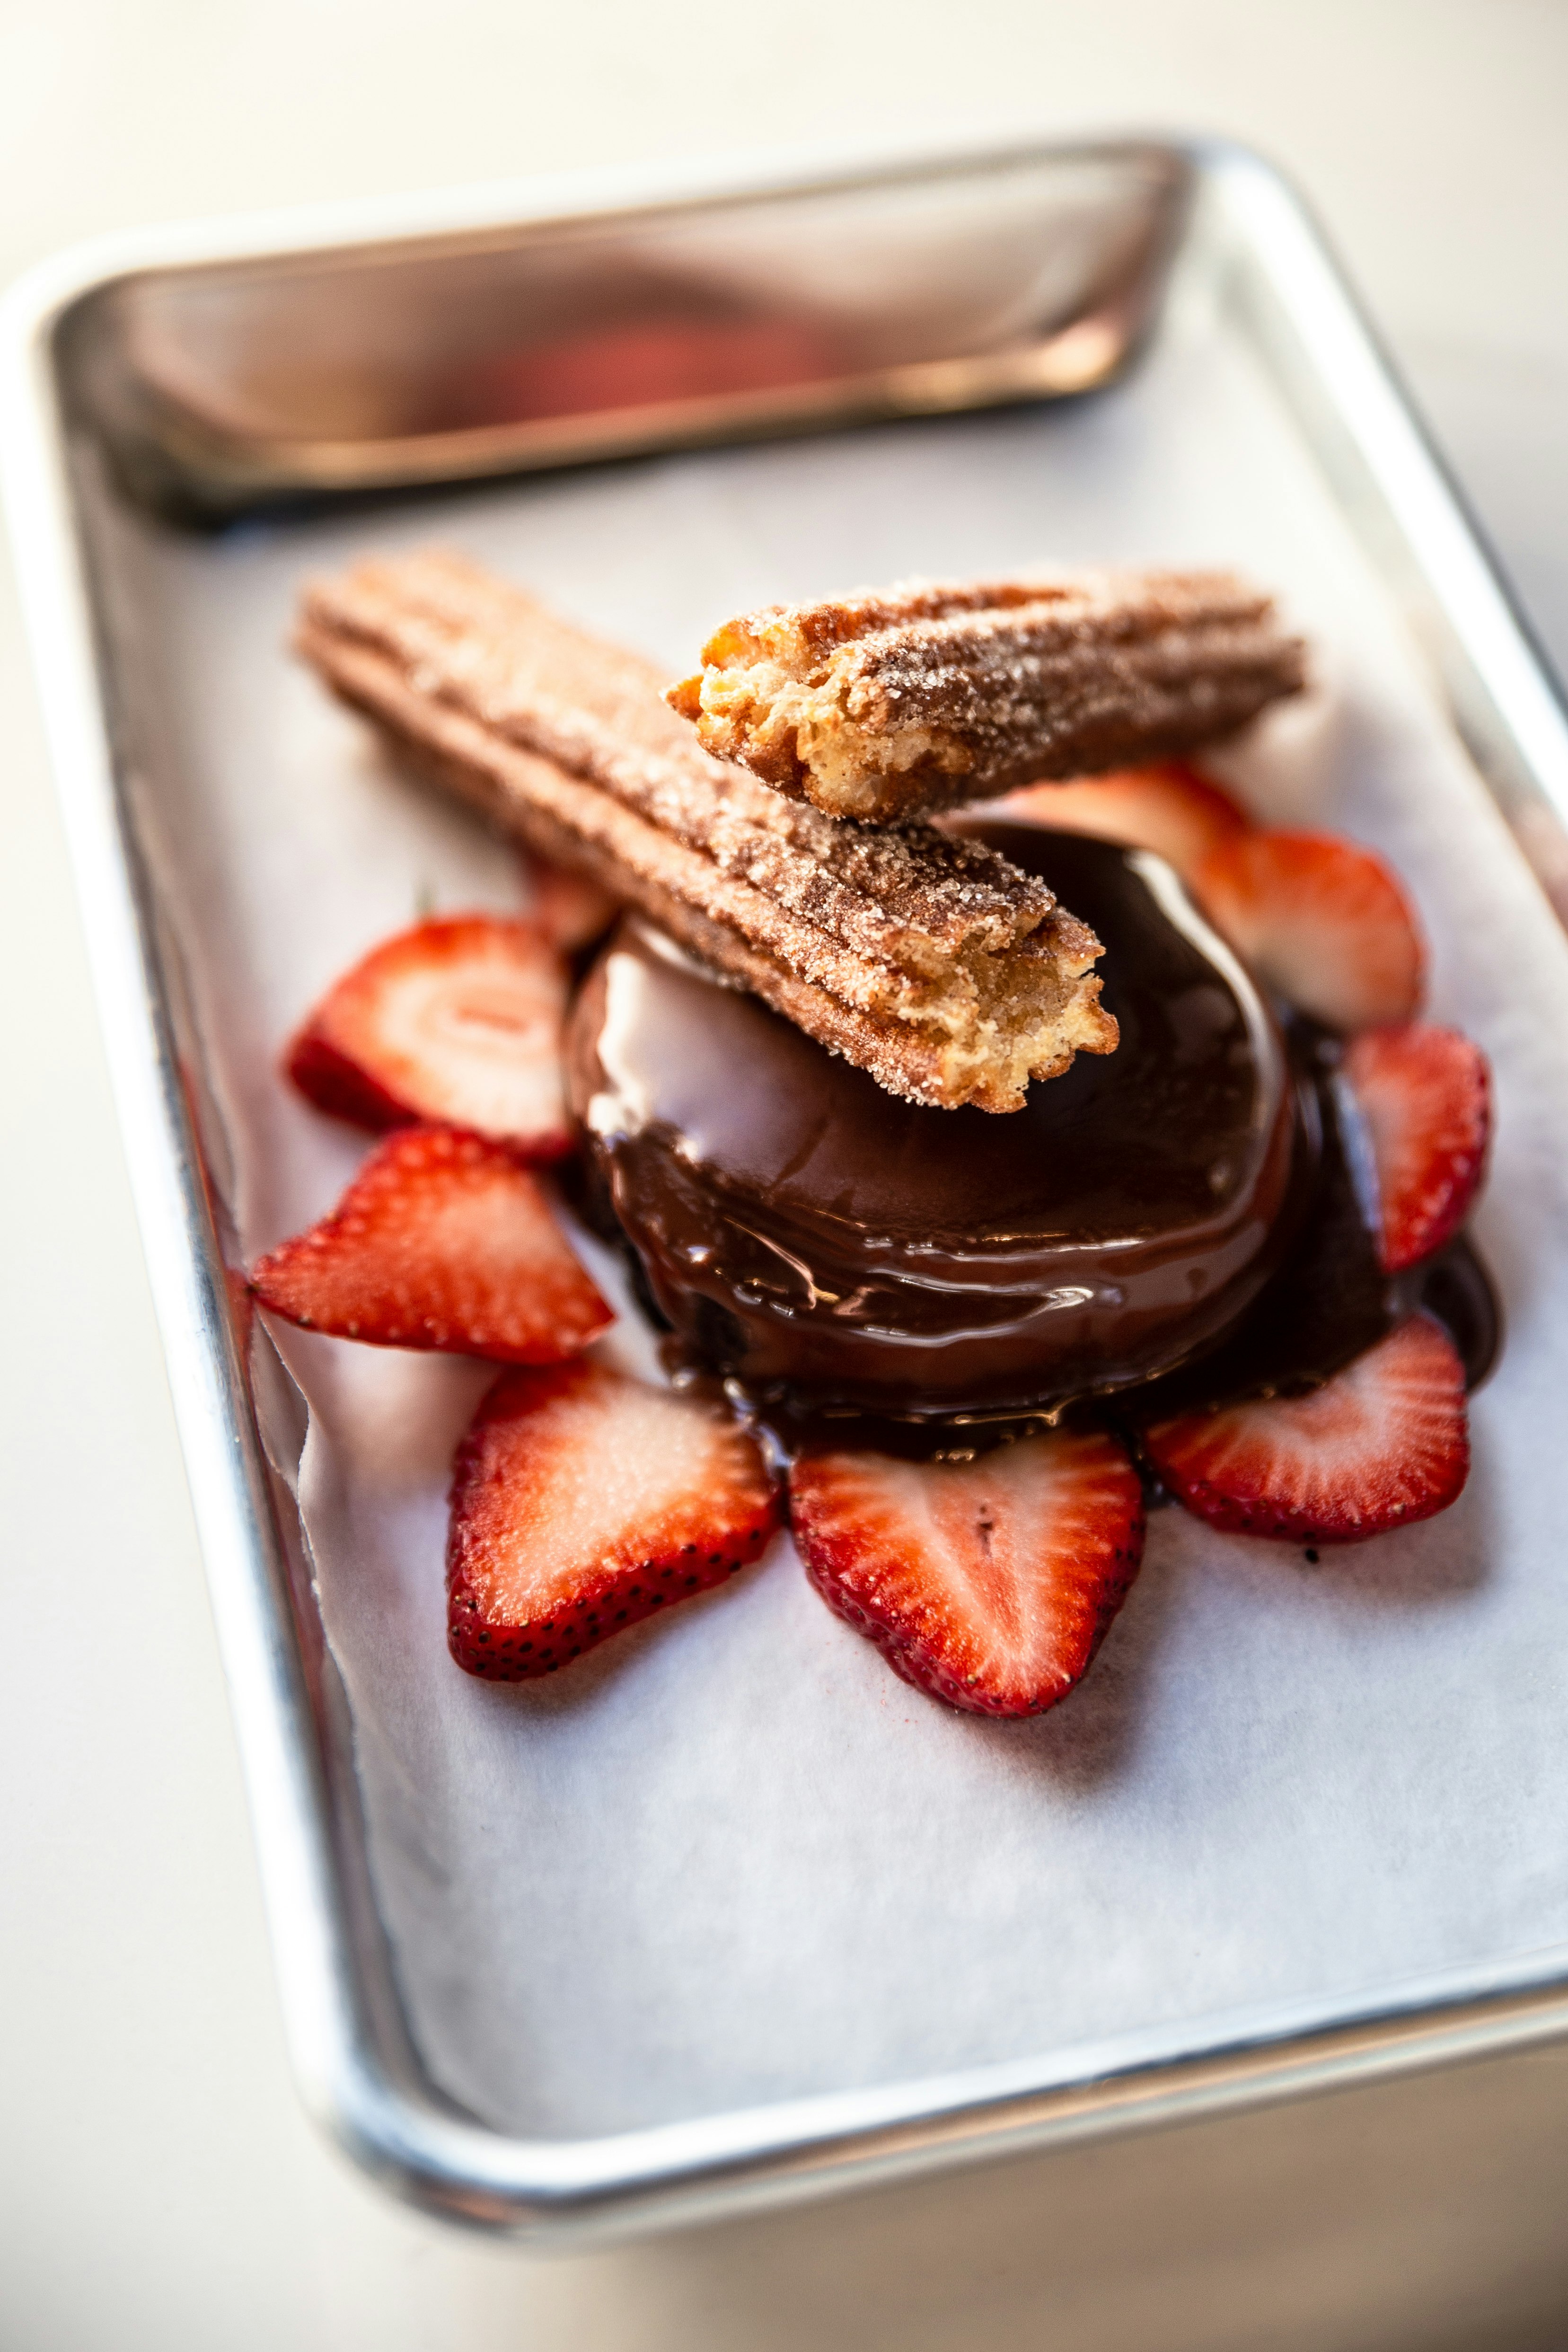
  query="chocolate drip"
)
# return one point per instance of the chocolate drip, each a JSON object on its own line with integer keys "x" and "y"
{"x": 1175, "y": 1226}
{"x": 1328, "y": 1301}
{"x": 1455, "y": 1287}
{"x": 825, "y": 1245}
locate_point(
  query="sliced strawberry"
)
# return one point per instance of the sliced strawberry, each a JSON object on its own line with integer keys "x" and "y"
{"x": 1383, "y": 1443}
{"x": 1426, "y": 1096}
{"x": 988, "y": 1583}
{"x": 457, "y": 1023}
{"x": 1169, "y": 807}
{"x": 582, "y": 1501}
{"x": 1323, "y": 922}
{"x": 572, "y": 911}
{"x": 442, "y": 1241}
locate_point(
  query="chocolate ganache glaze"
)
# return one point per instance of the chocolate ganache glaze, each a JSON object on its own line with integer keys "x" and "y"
{"x": 825, "y": 1245}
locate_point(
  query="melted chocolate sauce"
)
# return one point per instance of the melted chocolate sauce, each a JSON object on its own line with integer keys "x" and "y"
{"x": 814, "y": 1239}
{"x": 1179, "y": 1220}
{"x": 1328, "y": 1301}
{"x": 1455, "y": 1287}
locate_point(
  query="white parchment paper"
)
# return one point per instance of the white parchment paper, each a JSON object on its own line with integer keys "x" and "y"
{"x": 729, "y": 1858}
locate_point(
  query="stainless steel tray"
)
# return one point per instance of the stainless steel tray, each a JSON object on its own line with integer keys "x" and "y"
{"x": 211, "y": 374}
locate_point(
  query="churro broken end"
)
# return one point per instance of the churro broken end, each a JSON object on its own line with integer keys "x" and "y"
{"x": 1025, "y": 1041}
{"x": 891, "y": 704}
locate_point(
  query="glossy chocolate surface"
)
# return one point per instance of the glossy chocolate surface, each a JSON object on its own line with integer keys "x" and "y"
{"x": 822, "y": 1243}
{"x": 1455, "y": 1287}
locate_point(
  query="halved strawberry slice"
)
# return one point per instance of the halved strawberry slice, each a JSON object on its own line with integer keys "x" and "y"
{"x": 1323, "y": 921}
{"x": 988, "y": 1583}
{"x": 1424, "y": 1093}
{"x": 442, "y": 1241}
{"x": 1383, "y": 1443}
{"x": 457, "y": 1023}
{"x": 582, "y": 1502}
{"x": 1169, "y": 807}
{"x": 572, "y": 911}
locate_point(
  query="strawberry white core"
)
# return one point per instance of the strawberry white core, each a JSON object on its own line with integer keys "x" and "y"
{"x": 476, "y": 1047}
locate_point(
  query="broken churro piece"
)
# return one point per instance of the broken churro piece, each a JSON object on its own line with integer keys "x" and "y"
{"x": 930, "y": 961}
{"x": 887, "y": 704}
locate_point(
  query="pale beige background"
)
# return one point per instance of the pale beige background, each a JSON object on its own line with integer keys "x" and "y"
{"x": 159, "y": 2186}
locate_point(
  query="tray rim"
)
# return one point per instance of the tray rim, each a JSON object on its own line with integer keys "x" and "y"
{"x": 566, "y": 2190}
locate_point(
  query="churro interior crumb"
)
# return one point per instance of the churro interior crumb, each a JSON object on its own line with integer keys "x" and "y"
{"x": 790, "y": 726}
{"x": 1008, "y": 1020}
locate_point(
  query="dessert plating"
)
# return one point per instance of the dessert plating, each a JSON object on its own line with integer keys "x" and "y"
{"x": 1222, "y": 1257}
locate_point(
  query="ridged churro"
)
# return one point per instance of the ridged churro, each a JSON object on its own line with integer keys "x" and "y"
{"x": 930, "y": 961}
{"x": 889, "y": 704}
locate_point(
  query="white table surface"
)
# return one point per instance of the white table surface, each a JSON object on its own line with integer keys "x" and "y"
{"x": 160, "y": 2186}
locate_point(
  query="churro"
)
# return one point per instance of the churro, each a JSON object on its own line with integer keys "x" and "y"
{"x": 930, "y": 961}
{"x": 889, "y": 704}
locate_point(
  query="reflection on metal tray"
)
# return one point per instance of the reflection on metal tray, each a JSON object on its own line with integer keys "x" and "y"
{"x": 207, "y": 376}
{"x": 554, "y": 341}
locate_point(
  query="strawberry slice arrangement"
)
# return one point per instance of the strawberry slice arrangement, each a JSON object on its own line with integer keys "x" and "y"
{"x": 572, "y": 911}
{"x": 1424, "y": 1096}
{"x": 442, "y": 1241}
{"x": 1382, "y": 1445}
{"x": 1169, "y": 807}
{"x": 1321, "y": 921}
{"x": 456, "y": 1023}
{"x": 989, "y": 1583}
{"x": 584, "y": 1502}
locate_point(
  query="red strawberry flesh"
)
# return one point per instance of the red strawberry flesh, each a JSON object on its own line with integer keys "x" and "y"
{"x": 1381, "y": 1445}
{"x": 988, "y": 1583}
{"x": 1323, "y": 921}
{"x": 584, "y": 1502}
{"x": 441, "y": 1242}
{"x": 456, "y": 1023}
{"x": 1425, "y": 1096}
{"x": 1169, "y": 807}
{"x": 571, "y": 911}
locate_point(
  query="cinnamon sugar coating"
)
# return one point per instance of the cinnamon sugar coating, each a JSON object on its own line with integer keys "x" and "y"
{"x": 890, "y": 703}
{"x": 930, "y": 961}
